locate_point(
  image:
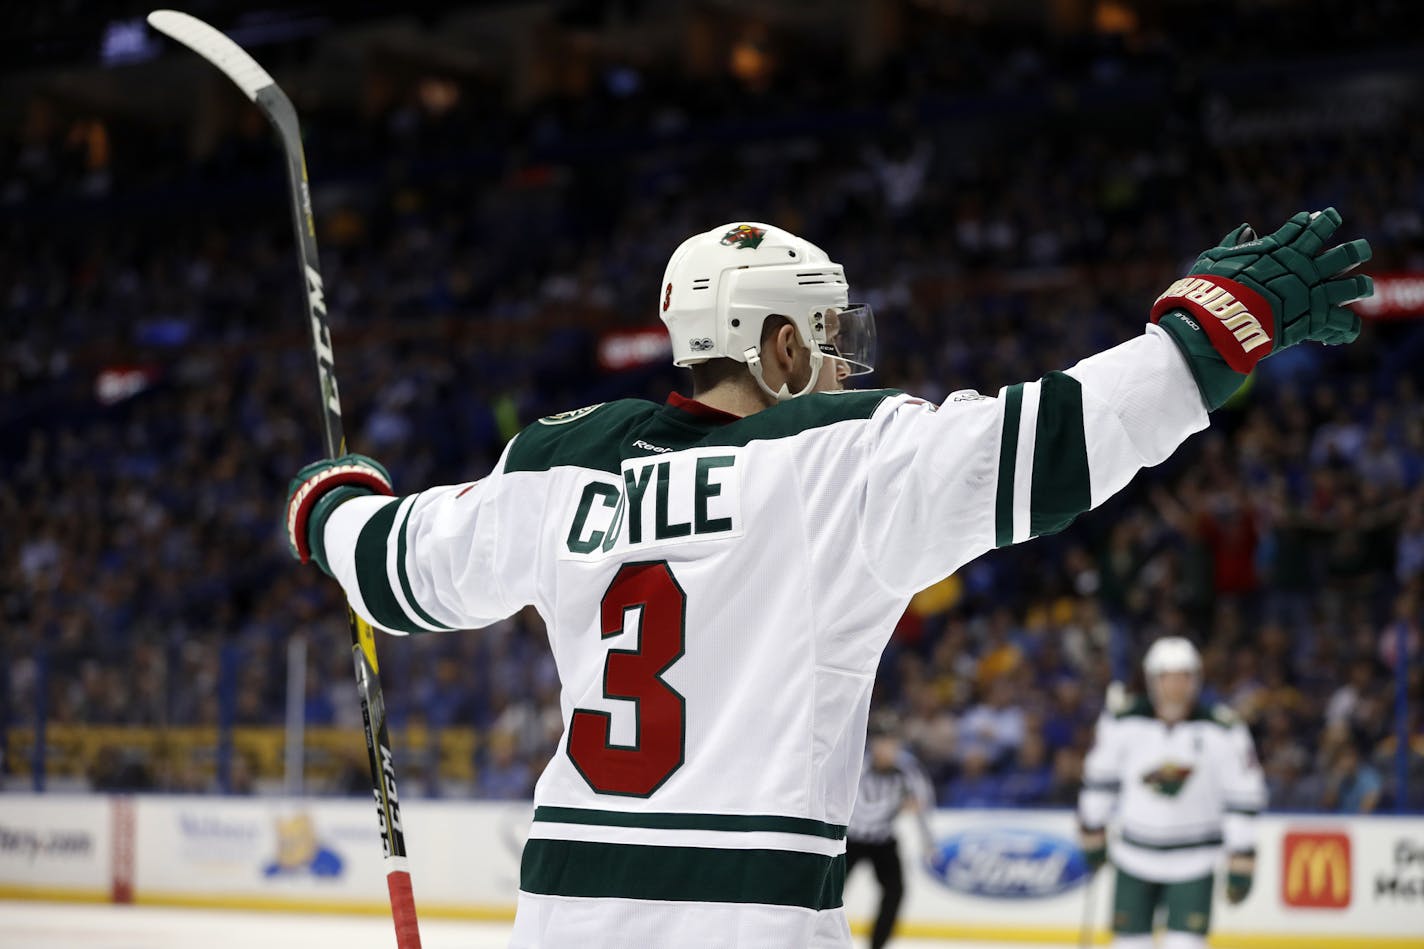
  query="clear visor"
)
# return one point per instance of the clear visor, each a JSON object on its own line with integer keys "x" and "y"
{"x": 848, "y": 334}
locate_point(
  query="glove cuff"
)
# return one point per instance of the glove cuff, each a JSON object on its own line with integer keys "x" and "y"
{"x": 302, "y": 504}
{"x": 1216, "y": 380}
{"x": 1237, "y": 320}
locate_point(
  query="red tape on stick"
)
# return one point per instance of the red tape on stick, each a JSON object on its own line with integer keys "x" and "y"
{"x": 403, "y": 910}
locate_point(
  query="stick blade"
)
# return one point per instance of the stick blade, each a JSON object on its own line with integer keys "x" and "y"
{"x": 216, "y": 48}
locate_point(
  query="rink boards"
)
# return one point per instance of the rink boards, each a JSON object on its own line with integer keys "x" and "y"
{"x": 1010, "y": 875}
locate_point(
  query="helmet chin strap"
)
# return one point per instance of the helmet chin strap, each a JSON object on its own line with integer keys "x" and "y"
{"x": 783, "y": 394}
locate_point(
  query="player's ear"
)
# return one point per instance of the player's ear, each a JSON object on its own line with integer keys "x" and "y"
{"x": 787, "y": 344}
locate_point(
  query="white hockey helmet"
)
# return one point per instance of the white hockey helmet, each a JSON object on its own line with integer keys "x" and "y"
{"x": 722, "y": 284}
{"x": 1172, "y": 654}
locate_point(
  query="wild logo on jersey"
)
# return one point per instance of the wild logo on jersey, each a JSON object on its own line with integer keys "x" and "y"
{"x": 660, "y": 500}
{"x": 1168, "y": 779}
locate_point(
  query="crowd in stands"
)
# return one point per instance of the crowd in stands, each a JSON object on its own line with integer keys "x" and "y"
{"x": 471, "y": 264}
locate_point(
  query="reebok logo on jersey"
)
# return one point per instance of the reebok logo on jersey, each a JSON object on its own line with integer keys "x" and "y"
{"x": 647, "y": 446}
{"x": 659, "y": 501}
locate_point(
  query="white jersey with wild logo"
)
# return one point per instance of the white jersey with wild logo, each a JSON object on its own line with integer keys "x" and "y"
{"x": 1182, "y": 792}
{"x": 718, "y": 591}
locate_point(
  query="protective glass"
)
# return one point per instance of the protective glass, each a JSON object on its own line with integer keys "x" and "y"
{"x": 847, "y": 333}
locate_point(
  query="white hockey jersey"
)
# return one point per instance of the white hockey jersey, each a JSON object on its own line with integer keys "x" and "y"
{"x": 1182, "y": 792}
{"x": 718, "y": 591}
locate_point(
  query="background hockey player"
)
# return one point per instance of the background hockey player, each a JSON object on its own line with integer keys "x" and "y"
{"x": 891, "y": 781}
{"x": 1186, "y": 785}
{"x": 719, "y": 575}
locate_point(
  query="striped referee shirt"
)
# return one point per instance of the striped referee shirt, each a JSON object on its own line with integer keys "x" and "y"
{"x": 882, "y": 795}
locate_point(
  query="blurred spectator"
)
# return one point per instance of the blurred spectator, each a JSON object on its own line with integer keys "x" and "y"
{"x": 975, "y": 786}
{"x": 1353, "y": 786}
{"x": 504, "y": 776}
{"x": 993, "y": 729}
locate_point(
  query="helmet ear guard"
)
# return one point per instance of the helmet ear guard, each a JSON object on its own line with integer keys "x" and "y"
{"x": 752, "y": 357}
{"x": 844, "y": 335}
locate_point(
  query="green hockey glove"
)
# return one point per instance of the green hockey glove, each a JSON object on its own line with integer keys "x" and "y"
{"x": 317, "y": 490}
{"x": 1093, "y": 841}
{"x": 1240, "y": 873}
{"x": 1251, "y": 296}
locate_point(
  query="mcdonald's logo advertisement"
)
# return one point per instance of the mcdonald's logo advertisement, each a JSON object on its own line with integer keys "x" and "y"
{"x": 1316, "y": 869}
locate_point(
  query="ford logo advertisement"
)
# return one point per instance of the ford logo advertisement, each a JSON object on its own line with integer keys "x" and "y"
{"x": 1009, "y": 864}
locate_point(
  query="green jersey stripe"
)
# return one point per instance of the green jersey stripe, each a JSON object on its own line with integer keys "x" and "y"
{"x": 742, "y": 823}
{"x": 602, "y": 437}
{"x": 372, "y": 577}
{"x": 580, "y": 868}
{"x": 1210, "y": 840}
{"x": 404, "y": 575}
{"x": 1008, "y": 451}
{"x": 1061, "y": 489}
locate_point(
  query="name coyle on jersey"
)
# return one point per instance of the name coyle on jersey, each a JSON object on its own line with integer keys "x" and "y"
{"x": 658, "y": 500}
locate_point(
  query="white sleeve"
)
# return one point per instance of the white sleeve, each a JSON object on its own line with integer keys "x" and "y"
{"x": 1102, "y": 775}
{"x": 946, "y": 485}
{"x": 1244, "y": 789}
{"x": 446, "y": 558}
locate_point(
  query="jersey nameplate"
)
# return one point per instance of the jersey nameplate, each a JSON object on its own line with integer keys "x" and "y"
{"x": 664, "y": 500}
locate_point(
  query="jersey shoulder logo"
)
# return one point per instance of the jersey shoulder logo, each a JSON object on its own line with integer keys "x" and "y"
{"x": 744, "y": 237}
{"x": 560, "y": 418}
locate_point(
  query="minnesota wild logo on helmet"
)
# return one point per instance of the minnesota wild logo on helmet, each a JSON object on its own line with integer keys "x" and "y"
{"x": 744, "y": 236}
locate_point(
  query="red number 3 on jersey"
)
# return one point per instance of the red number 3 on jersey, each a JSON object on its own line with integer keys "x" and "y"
{"x": 657, "y": 751}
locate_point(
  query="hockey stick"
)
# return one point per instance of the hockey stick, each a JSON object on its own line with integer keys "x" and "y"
{"x": 1086, "y": 931}
{"x": 258, "y": 86}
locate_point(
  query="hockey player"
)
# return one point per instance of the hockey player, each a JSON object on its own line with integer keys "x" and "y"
{"x": 720, "y": 574}
{"x": 1186, "y": 784}
{"x": 890, "y": 782}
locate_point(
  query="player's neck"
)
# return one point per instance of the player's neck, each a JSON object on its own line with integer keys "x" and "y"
{"x": 735, "y": 397}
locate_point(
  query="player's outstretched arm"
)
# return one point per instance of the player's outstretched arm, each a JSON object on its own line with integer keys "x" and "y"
{"x": 1244, "y": 787}
{"x": 945, "y": 486}
{"x": 1102, "y": 777}
{"x": 426, "y": 562}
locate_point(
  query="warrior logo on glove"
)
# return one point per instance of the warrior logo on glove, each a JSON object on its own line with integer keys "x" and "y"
{"x": 1219, "y": 299}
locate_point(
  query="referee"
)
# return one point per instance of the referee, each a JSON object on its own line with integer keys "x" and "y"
{"x": 890, "y": 782}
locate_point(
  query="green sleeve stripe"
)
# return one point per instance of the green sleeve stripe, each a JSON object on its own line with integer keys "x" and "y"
{"x": 1008, "y": 453}
{"x": 737, "y": 823}
{"x": 594, "y": 870}
{"x": 372, "y": 577}
{"x": 1061, "y": 489}
{"x": 1243, "y": 810}
{"x": 405, "y": 576}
